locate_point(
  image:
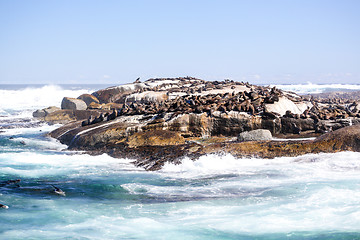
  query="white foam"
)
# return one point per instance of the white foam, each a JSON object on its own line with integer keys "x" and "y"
{"x": 48, "y": 144}
{"x": 311, "y": 166}
{"x": 315, "y": 88}
{"x": 36, "y": 98}
{"x": 40, "y": 165}
{"x": 44, "y": 127}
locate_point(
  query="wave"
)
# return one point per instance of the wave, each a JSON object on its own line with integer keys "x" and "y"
{"x": 310, "y": 88}
{"x": 35, "y": 97}
{"x": 217, "y": 195}
{"x": 33, "y": 164}
{"x": 309, "y": 166}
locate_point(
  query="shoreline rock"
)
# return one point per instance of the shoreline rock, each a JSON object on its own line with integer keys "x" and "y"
{"x": 162, "y": 120}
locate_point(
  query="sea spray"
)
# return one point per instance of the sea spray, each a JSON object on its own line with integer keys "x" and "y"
{"x": 311, "y": 88}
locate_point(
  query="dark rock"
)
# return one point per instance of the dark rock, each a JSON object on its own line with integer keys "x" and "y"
{"x": 73, "y": 104}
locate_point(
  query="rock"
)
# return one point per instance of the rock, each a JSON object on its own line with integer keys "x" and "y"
{"x": 73, "y": 104}
{"x": 255, "y": 135}
{"x": 111, "y": 106}
{"x": 41, "y": 113}
{"x": 88, "y": 99}
{"x": 343, "y": 139}
{"x": 66, "y": 115}
{"x": 292, "y": 125}
{"x": 94, "y": 105}
{"x": 283, "y": 105}
{"x": 155, "y": 138}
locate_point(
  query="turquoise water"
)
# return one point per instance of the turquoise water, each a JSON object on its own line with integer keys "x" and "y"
{"x": 216, "y": 197}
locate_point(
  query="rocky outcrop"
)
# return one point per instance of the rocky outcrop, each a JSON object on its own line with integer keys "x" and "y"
{"x": 163, "y": 119}
{"x": 73, "y": 104}
{"x": 154, "y": 157}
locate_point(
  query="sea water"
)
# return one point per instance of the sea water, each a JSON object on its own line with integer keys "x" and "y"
{"x": 315, "y": 196}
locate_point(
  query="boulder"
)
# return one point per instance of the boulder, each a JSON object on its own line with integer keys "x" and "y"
{"x": 283, "y": 105}
{"x": 255, "y": 135}
{"x": 41, "y": 113}
{"x": 88, "y": 99}
{"x": 73, "y": 104}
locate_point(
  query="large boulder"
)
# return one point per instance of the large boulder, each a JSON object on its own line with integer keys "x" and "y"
{"x": 73, "y": 104}
{"x": 255, "y": 135}
{"x": 88, "y": 99}
{"x": 284, "y": 104}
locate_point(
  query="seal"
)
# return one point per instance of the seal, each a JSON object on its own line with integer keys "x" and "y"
{"x": 112, "y": 116}
{"x": 58, "y": 191}
{"x": 8, "y": 182}
{"x": 4, "y": 206}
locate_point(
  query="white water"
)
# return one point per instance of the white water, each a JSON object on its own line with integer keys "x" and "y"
{"x": 317, "y": 88}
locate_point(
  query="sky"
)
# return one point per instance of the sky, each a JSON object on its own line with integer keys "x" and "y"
{"x": 115, "y": 41}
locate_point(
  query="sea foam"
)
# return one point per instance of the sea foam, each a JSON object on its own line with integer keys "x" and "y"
{"x": 316, "y": 88}
{"x": 36, "y": 97}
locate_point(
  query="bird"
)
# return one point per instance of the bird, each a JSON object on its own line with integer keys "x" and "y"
{"x": 137, "y": 80}
{"x": 58, "y": 191}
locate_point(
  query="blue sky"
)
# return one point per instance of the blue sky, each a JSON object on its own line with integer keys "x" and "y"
{"x": 260, "y": 41}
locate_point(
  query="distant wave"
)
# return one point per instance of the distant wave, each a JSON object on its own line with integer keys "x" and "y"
{"x": 36, "y": 97}
{"x": 316, "y": 88}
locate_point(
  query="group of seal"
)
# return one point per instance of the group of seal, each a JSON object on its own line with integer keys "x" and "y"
{"x": 194, "y": 95}
{"x": 251, "y": 102}
{"x": 102, "y": 117}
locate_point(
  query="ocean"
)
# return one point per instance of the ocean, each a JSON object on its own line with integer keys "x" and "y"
{"x": 314, "y": 196}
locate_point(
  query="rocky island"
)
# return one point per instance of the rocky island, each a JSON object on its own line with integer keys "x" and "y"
{"x": 165, "y": 119}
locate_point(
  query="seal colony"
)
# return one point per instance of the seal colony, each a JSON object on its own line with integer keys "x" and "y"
{"x": 164, "y": 119}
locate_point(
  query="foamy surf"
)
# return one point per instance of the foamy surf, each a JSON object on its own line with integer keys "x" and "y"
{"x": 36, "y": 97}
{"x": 310, "y": 88}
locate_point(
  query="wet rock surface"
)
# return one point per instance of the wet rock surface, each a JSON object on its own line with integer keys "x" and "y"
{"x": 73, "y": 104}
{"x": 162, "y": 120}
